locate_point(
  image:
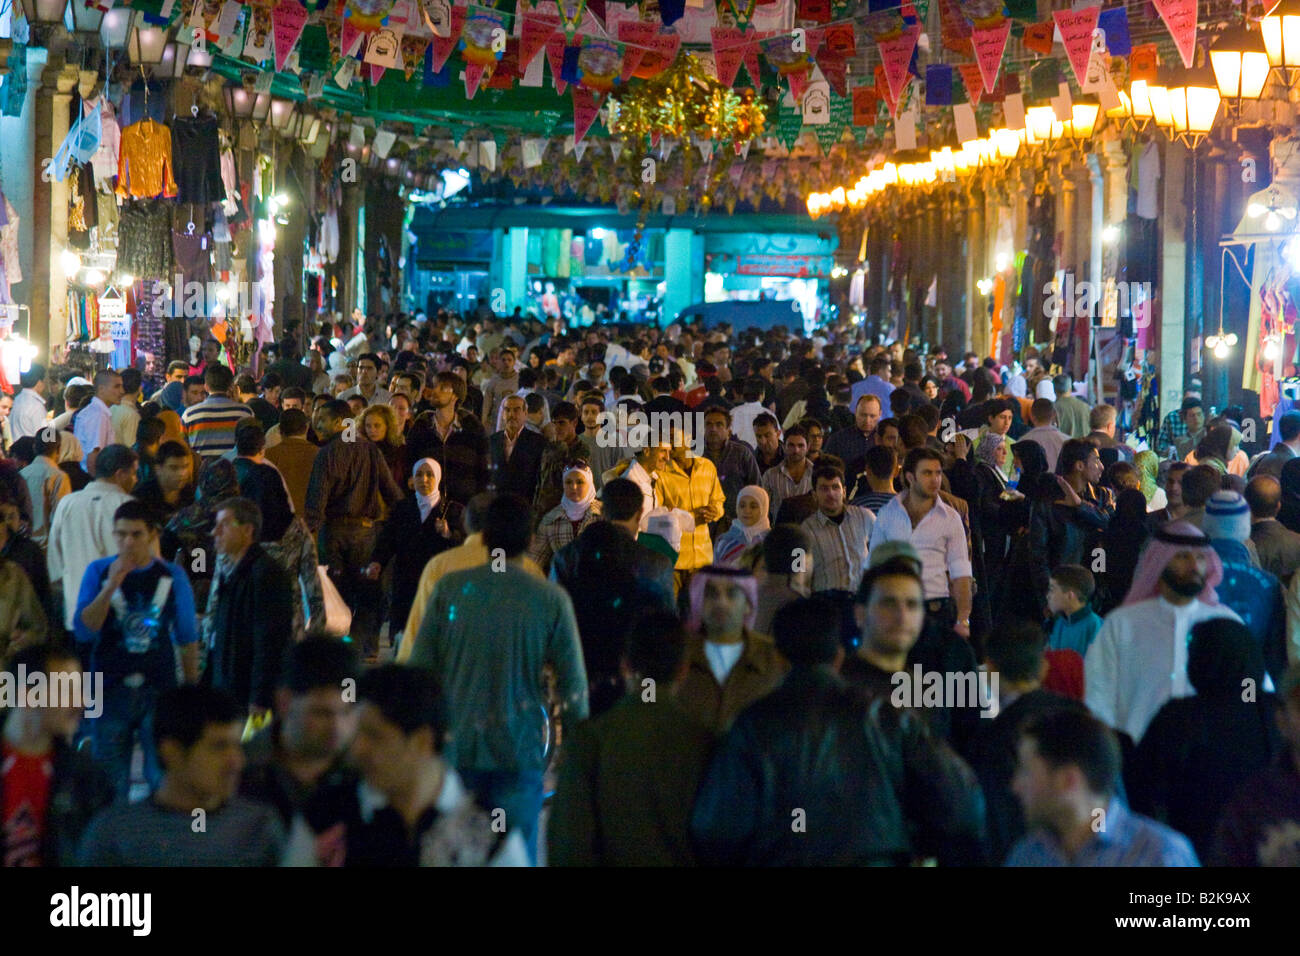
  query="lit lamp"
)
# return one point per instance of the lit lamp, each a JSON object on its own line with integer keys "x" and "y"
{"x": 1241, "y": 66}
{"x": 173, "y": 61}
{"x": 82, "y": 19}
{"x": 1280, "y": 29}
{"x": 114, "y": 27}
{"x": 199, "y": 58}
{"x": 281, "y": 114}
{"x": 1038, "y": 122}
{"x": 261, "y": 106}
{"x": 1083, "y": 117}
{"x": 1221, "y": 345}
{"x": 1008, "y": 143}
{"x": 1161, "y": 111}
{"x": 239, "y": 102}
{"x": 1194, "y": 105}
{"x": 147, "y": 44}
{"x": 1139, "y": 92}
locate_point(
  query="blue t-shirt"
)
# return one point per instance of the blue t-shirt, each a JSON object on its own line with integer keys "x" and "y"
{"x": 144, "y": 614}
{"x": 1074, "y": 633}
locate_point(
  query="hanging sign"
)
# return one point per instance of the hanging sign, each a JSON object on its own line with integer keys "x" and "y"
{"x": 989, "y": 44}
{"x": 1180, "y": 20}
{"x": 895, "y": 55}
{"x": 1076, "y": 28}
{"x": 287, "y": 21}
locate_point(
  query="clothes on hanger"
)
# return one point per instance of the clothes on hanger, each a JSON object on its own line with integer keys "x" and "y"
{"x": 198, "y": 159}
{"x": 144, "y": 169}
{"x": 104, "y": 162}
{"x": 144, "y": 245}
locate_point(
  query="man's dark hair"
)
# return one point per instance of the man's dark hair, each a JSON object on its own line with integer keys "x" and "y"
{"x": 183, "y": 713}
{"x": 719, "y": 410}
{"x": 1264, "y": 496}
{"x": 271, "y": 380}
{"x": 370, "y": 357}
{"x": 621, "y": 499}
{"x": 1288, "y": 426}
{"x": 881, "y": 461}
{"x": 178, "y": 366}
{"x": 807, "y": 631}
{"x": 785, "y": 546}
{"x": 293, "y": 422}
{"x": 218, "y": 378}
{"x": 250, "y": 437}
{"x": 1073, "y": 452}
{"x": 564, "y": 412}
{"x": 1016, "y": 650}
{"x": 656, "y": 646}
{"x": 508, "y": 525}
{"x": 795, "y": 431}
{"x": 1189, "y": 403}
{"x": 1199, "y": 483}
{"x": 245, "y": 383}
{"x": 104, "y": 377}
{"x": 319, "y": 662}
{"x": 149, "y": 431}
{"x": 246, "y": 512}
{"x": 918, "y": 455}
{"x": 765, "y": 419}
{"x": 191, "y": 381}
{"x": 1069, "y": 737}
{"x": 1041, "y": 411}
{"x": 752, "y": 389}
{"x": 912, "y": 428}
{"x": 409, "y": 697}
{"x": 24, "y": 450}
{"x": 131, "y": 380}
{"x": 476, "y": 510}
{"x": 912, "y": 372}
{"x": 170, "y": 449}
{"x": 112, "y": 459}
{"x": 454, "y": 382}
{"x": 337, "y": 409}
{"x": 34, "y": 374}
{"x": 1076, "y": 578}
{"x": 893, "y": 568}
{"x": 831, "y": 471}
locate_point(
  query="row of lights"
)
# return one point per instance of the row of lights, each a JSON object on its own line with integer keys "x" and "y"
{"x": 1183, "y": 108}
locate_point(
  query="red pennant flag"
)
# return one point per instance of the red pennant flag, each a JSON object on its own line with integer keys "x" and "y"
{"x": 840, "y": 40}
{"x": 660, "y": 55}
{"x": 882, "y": 88}
{"x": 636, "y": 36}
{"x": 442, "y": 46}
{"x": 585, "y": 107}
{"x": 473, "y": 74}
{"x": 728, "y": 52}
{"x": 352, "y": 38}
{"x": 1038, "y": 38}
{"x": 895, "y": 56}
{"x": 798, "y": 83}
{"x": 537, "y": 30}
{"x": 970, "y": 75}
{"x": 1142, "y": 63}
{"x": 287, "y": 20}
{"x": 376, "y": 73}
{"x": 1180, "y": 20}
{"x": 865, "y": 101}
{"x": 1076, "y": 28}
{"x": 989, "y": 45}
{"x": 835, "y": 69}
{"x": 555, "y": 56}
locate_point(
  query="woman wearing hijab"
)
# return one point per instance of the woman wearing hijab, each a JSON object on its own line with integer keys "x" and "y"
{"x": 1122, "y": 542}
{"x": 1148, "y": 466}
{"x": 1199, "y": 749}
{"x": 748, "y": 528}
{"x": 577, "y": 509}
{"x": 189, "y": 531}
{"x": 419, "y": 527}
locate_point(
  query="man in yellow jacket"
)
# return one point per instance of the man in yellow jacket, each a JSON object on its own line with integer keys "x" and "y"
{"x": 691, "y": 483}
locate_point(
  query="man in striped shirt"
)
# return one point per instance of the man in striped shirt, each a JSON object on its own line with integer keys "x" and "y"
{"x": 210, "y": 425}
{"x": 791, "y": 477}
{"x": 839, "y": 533}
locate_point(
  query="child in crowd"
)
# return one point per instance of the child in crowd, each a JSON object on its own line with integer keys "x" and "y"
{"x": 1074, "y": 624}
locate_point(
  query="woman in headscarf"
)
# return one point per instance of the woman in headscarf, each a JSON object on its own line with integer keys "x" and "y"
{"x": 419, "y": 527}
{"x": 1148, "y": 466}
{"x": 187, "y": 538}
{"x": 1290, "y": 481}
{"x": 1122, "y": 542}
{"x": 577, "y": 509}
{"x": 748, "y": 528}
{"x": 1198, "y": 750}
{"x": 1214, "y": 448}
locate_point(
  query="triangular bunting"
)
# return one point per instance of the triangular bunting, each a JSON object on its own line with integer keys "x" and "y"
{"x": 580, "y": 148}
{"x": 352, "y": 38}
{"x": 637, "y": 34}
{"x": 989, "y": 46}
{"x": 442, "y": 46}
{"x": 1180, "y": 20}
{"x": 798, "y": 83}
{"x": 473, "y": 75}
{"x": 585, "y": 107}
{"x": 728, "y": 52}
{"x": 1076, "y": 28}
{"x": 970, "y": 76}
{"x": 615, "y": 148}
{"x": 287, "y": 21}
{"x": 536, "y": 32}
{"x": 895, "y": 55}
{"x": 555, "y": 56}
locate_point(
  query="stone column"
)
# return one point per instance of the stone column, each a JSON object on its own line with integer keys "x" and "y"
{"x": 48, "y": 284}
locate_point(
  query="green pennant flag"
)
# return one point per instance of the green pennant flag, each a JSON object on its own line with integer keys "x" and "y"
{"x": 314, "y": 51}
{"x": 841, "y": 113}
{"x": 860, "y": 134}
{"x": 789, "y": 124}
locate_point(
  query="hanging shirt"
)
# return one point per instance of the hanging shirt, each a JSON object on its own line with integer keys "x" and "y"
{"x": 104, "y": 161}
{"x": 144, "y": 168}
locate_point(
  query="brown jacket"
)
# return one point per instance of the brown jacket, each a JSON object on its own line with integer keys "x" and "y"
{"x": 760, "y": 668}
{"x": 294, "y": 457}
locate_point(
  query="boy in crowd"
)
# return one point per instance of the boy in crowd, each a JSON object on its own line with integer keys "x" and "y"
{"x": 1074, "y": 623}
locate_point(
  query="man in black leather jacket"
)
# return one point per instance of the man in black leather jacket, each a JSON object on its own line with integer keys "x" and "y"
{"x": 814, "y": 774}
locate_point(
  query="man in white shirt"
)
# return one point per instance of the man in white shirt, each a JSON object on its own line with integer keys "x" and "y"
{"x": 28, "y": 416}
{"x": 1050, "y": 438}
{"x": 126, "y": 413}
{"x": 919, "y": 516}
{"x": 643, "y": 471}
{"x": 82, "y": 529}
{"x": 742, "y": 416}
{"x": 1139, "y": 657}
{"x": 368, "y": 382}
{"x": 93, "y": 426}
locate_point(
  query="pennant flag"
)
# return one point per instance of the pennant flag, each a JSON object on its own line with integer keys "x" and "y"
{"x": 840, "y": 41}
{"x": 585, "y": 107}
{"x": 938, "y": 85}
{"x": 352, "y": 38}
{"x": 798, "y": 83}
{"x": 653, "y": 52}
{"x": 728, "y": 52}
{"x": 1142, "y": 63}
{"x": 789, "y": 124}
{"x": 413, "y": 48}
{"x": 895, "y": 55}
{"x": 442, "y": 46}
{"x": 555, "y": 56}
{"x": 1180, "y": 19}
{"x": 636, "y": 34}
{"x": 989, "y": 45}
{"x": 536, "y": 31}
{"x": 1114, "y": 21}
{"x": 836, "y": 71}
{"x": 1076, "y": 28}
{"x": 865, "y": 102}
{"x": 974, "y": 82}
{"x": 1038, "y": 38}
{"x": 580, "y": 148}
{"x": 287, "y": 20}
{"x": 615, "y": 148}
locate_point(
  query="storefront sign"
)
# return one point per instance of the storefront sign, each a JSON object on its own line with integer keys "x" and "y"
{"x": 778, "y": 265}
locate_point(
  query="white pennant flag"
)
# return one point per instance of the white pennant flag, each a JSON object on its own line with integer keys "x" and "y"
{"x": 705, "y": 147}
{"x": 488, "y": 154}
{"x": 579, "y": 149}
{"x": 666, "y": 149}
{"x": 532, "y": 150}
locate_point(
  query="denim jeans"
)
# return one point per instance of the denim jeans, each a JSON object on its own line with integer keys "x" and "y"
{"x": 517, "y": 792}
{"x": 128, "y": 713}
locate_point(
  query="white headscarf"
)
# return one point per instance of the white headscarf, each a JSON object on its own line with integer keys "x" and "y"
{"x": 428, "y": 502}
{"x": 1045, "y": 390}
{"x": 575, "y": 510}
{"x": 764, "y": 524}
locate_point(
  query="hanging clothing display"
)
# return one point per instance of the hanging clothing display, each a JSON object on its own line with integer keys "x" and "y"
{"x": 13, "y": 272}
{"x": 229, "y": 182}
{"x": 144, "y": 239}
{"x": 104, "y": 162}
{"x": 1148, "y": 180}
{"x": 144, "y": 168}
{"x": 83, "y": 206}
{"x": 198, "y": 159}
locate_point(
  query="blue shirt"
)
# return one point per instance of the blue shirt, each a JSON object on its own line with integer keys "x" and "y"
{"x": 1074, "y": 632}
{"x": 882, "y": 388}
{"x": 133, "y": 637}
{"x": 1125, "y": 839}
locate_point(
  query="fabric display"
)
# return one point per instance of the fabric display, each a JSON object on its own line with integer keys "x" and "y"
{"x": 145, "y": 167}
{"x": 104, "y": 162}
{"x": 196, "y": 149}
{"x": 144, "y": 239}
{"x": 83, "y": 206}
{"x": 12, "y": 272}
{"x": 149, "y": 333}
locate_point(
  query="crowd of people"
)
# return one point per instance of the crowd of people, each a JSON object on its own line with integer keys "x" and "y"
{"x": 405, "y": 597}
